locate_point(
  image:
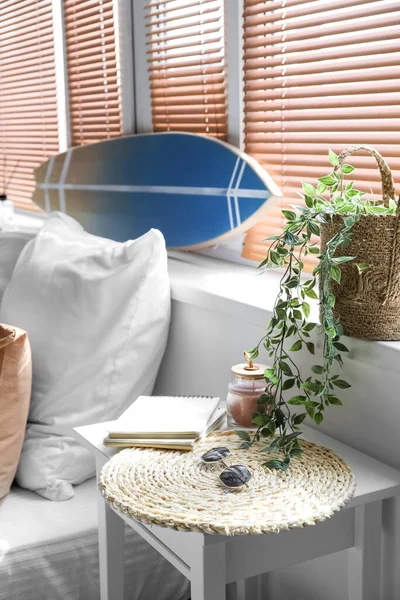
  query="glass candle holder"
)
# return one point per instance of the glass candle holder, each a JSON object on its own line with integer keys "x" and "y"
{"x": 244, "y": 390}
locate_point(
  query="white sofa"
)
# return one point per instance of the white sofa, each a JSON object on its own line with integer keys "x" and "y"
{"x": 49, "y": 550}
{"x": 217, "y": 310}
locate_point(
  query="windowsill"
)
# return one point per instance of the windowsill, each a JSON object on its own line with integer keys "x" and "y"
{"x": 241, "y": 293}
{"x": 28, "y": 222}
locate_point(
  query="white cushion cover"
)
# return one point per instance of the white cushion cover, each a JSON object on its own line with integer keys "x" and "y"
{"x": 49, "y": 551}
{"x": 11, "y": 245}
{"x": 97, "y": 315}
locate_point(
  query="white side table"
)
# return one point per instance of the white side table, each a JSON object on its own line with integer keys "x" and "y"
{"x": 215, "y": 563}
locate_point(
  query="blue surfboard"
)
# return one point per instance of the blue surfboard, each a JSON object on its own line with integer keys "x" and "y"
{"x": 195, "y": 189}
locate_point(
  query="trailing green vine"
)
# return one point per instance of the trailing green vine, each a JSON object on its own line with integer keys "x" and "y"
{"x": 289, "y": 329}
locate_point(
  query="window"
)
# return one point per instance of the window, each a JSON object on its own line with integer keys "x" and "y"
{"x": 28, "y": 105}
{"x": 93, "y": 70}
{"x": 319, "y": 75}
{"x": 185, "y": 53}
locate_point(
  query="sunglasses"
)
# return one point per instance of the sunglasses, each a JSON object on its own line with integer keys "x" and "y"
{"x": 232, "y": 477}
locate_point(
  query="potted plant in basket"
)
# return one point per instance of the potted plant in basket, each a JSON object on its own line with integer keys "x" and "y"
{"x": 357, "y": 237}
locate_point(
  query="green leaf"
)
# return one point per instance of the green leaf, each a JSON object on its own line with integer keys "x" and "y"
{"x": 347, "y": 169}
{"x": 314, "y": 250}
{"x": 362, "y": 267}
{"x": 298, "y": 419}
{"x": 276, "y": 464}
{"x": 313, "y": 228}
{"x": 265, "y": 399}
{"x": 243, "y": 435}
{"x": 279, "y": 417}
{"x": 292, "y": 436}
{"x": 292, "y": 282}
{"x": 330, "y": 300}
{"x": 245, "y": 445}
{"x": 340, "y": 383}
{"x": 296, "y": 452}
{"x": 285, "y": 368}
{"x": 297, "y": 315}
{"x": 327, "y": 180}
{"x": 310, "y": 347}
{"x": 340, "y": 346}
{"x": 310, "y": 386}
{"x": 317, "y": 369}
{"x": 296, "y": 346}
{"x": 288, "y": 384}
{"x": 333, "y": 158}
{"x": 310, "y": 293}
{"x": 349, "y": 221}
{"x": 309, "y": 201}
{"x": 309, "y": 326}
{"x": 275, "y": 258}
{"x": 281, "y": 314}
{"x": 282, "y": 251}
{"x": 321, "y": 188}
{"x": 268, "y": 373}
{"x": 318, "y": 418}
{"x": 297, "y": 400}
{"x": 331, "y": 332}
{"x": 335, "y": 273}
{"x": 253, "y": 353}
{"x": 342, "y": 259}
{"x": 269, "y": 448}
{"x": 289, "y": 215}
{"x": 305, "y": 307}
{"x": 309, "y": 189}
{"x": 334, "y": 400}
{"x": 261, "y": 419}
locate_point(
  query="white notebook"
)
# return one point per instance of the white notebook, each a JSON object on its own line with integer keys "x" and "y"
{"x": 170, "y": 443}
{"x": 165, "y": 417}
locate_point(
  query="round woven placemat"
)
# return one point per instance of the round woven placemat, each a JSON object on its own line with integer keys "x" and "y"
{"x": 173, "y": 489}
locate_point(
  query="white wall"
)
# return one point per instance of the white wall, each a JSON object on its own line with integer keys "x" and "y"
{"x": 205, "y": 341}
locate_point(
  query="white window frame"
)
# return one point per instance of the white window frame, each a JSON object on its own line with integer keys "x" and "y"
{"x": 233, "y": 12}
{"x": 123, "y": 10}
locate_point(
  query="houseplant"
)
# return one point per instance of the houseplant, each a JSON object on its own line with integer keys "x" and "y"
{"x": 289, "y": 330}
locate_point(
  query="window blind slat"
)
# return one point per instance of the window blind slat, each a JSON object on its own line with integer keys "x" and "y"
{"x": 185, "y": 53}
{"x": 28, "y": 109}
{"x": 93, "y": 71}
{"x": 319, "y": 75}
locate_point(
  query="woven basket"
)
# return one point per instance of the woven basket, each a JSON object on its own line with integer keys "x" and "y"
{"x": 368, "y": 302}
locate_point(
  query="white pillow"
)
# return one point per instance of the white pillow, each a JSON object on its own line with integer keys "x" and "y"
{"x": 11, "y": 245}
{"x": 97, "y": 315}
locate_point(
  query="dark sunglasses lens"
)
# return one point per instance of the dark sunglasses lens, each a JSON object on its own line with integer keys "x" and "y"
{"x": 215, "y": 454}
{"x": 235, "y": 476}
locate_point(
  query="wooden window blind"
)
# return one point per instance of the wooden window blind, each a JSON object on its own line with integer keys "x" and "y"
{"x": 319, "y": 74}
{"x": 93, "y": 73}
{"x": 28, "y": 107}
{"x": 185, "y": 51}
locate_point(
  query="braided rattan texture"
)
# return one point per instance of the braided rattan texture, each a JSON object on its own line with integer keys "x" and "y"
{"x": 368, "y": 302}
{"x": 175, "y": 490}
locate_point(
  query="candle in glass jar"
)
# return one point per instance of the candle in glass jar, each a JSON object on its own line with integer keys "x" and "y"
{"x": 243, "y": 392}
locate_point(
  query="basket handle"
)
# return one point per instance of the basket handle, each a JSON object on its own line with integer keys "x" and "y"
{"x": 388, "y": 189}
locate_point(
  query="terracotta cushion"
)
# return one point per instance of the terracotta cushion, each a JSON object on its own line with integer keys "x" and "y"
{"x": 15, "y": 394}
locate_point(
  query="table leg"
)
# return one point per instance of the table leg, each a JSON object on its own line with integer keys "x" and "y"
{"x": 253, "y": 588}
{"x": 111, "y": 551}
{"x": 365, "y": 557}
{"x": 208, "y": 573}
